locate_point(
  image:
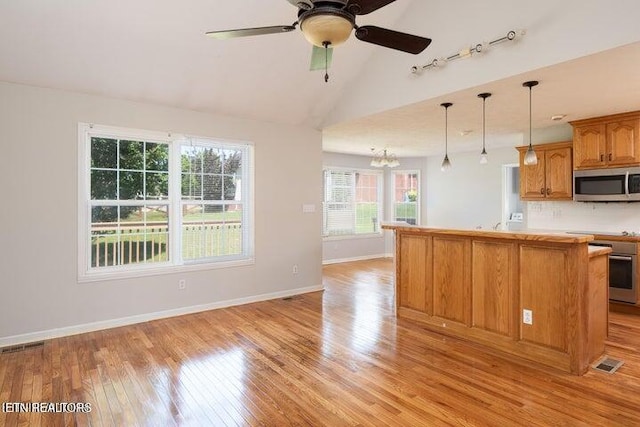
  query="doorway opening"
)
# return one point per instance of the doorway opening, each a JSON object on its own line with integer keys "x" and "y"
{"x": 513, "y": 215}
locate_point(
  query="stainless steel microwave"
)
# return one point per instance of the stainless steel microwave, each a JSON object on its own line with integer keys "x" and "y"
{"x": 607, "y": 185}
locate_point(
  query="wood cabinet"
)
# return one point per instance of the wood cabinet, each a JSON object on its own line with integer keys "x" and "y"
{"x": 476, "y": 285}
{"x": 603, "y": 142}
{"x": 552, "y": 177}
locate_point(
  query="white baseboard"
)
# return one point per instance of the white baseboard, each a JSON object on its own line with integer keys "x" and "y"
{"x": 124, "y": 321}
{"x": 358, "y": 258}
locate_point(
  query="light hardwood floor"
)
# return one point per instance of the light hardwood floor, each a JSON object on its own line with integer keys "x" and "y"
{"x": 338, "y": 357}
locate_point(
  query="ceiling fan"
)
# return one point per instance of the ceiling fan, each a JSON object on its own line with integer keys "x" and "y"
{"x": 328, "y": 23}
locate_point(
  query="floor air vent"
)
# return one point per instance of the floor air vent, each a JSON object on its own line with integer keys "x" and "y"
{"x": 607, "y": 365}
{"x": 17, "y": 348}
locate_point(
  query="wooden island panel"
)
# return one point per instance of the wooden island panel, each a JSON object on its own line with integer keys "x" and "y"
{"x": 475, "y": 285}
{"x": 543, "y": 291}
{"x": 493, "y": 272}
{"x": 415, "y": 291}
{"x": 451, "y": 279}
{"x": 598, "y": 272}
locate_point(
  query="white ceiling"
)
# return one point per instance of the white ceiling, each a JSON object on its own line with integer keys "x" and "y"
{"x": 591, "y": 86}
{"x": 155, "y": 51}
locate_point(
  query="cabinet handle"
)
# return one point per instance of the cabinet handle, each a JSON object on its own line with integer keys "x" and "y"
{"x": 542, "y": 191}
{"x": 548, "y": 191}
{"x": 610, "y": 156}
{"x": 602, "y": 157}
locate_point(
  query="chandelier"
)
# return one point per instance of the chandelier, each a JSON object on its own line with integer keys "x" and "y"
{"x": 381, "y": 159}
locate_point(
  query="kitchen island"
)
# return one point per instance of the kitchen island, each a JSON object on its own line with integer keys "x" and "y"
{"x": 540, "y": 297}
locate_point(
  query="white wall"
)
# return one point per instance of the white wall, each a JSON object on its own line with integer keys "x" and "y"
{"x": 470, "y": 194}
{"x": 39, "y": 290}
{"x": 557, "y": 31}
{"x": 584, "y": 216}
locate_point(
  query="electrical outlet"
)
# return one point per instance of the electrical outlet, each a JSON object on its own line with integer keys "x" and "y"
{"x": 182, "y": 284}
{"x": 295, "y": 269}
{"x": 527, "y": 317}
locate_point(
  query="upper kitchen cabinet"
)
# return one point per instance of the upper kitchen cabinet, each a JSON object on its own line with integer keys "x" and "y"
{"x": 610, "y": 141}
{"x": 552, "y": 177}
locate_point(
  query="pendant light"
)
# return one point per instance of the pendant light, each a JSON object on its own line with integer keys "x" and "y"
{"x": 530, "y": 157}
{"x": 446, "y": 163}
{"x": 483, "y": 155}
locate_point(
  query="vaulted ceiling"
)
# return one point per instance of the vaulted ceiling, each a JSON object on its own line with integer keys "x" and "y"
{"x": 156, "y": 51}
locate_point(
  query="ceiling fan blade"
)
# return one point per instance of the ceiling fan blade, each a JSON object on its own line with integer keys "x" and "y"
{"x": 392, "y": 39}
{"x": 363, "y": 7}
{"x": 321, "y": 60}
{"x": 245, "y": 32}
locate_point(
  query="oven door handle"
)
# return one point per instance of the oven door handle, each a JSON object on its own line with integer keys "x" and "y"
{"x": 620, "y": 258}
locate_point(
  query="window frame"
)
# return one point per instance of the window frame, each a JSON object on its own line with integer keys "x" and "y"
{"x": 175, "y": 264}
{"x": 379, "y": 196}
{"x": 394, "y": 173}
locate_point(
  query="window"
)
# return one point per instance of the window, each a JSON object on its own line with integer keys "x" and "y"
{"x": 406, "y": 196}
{"x": 352, "y": 202}
{"x": 150, "y": 200}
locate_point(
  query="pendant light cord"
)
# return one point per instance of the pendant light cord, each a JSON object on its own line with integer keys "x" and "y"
{"x": 446, "y": 106}
{"x": 530, "y": 85}
{"x": 530, "y": 120}
{"x": 446, "y": 131}
{"x": 484, "y": 121}
{"x": 483, "y": 153}
{"x": 530, "y": 157}
{"x": 446, "y": 163}
{"x": 326, "y": 61}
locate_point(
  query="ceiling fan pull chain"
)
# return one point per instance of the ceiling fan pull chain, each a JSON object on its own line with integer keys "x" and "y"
{"x": 326, "y": 61}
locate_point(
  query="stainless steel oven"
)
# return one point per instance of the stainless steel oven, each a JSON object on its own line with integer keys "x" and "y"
{"x": 622, "y": 270}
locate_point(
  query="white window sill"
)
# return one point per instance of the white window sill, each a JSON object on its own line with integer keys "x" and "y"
{"x": 354, "y": 236}
{"x": 101, "y": 276}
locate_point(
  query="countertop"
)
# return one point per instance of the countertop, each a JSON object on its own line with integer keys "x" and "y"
{"x": 598, "y": 250}
{"x": 536, "y": 235}
{"x": 525, "y": 234}
{"x": 634, "y": 239}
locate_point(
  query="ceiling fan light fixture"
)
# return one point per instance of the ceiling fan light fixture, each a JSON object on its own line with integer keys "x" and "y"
{"x": 319, "y": 28}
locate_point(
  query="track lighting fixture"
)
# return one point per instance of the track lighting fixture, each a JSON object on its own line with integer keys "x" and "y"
{"x": 468, "y": 52}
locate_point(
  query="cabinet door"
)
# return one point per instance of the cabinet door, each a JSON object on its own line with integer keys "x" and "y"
{"x": 589, "y": 146}
{"x": 532, "y": 179}
{"x": 559, "y": 174}
{"x": 623, "y": 142}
